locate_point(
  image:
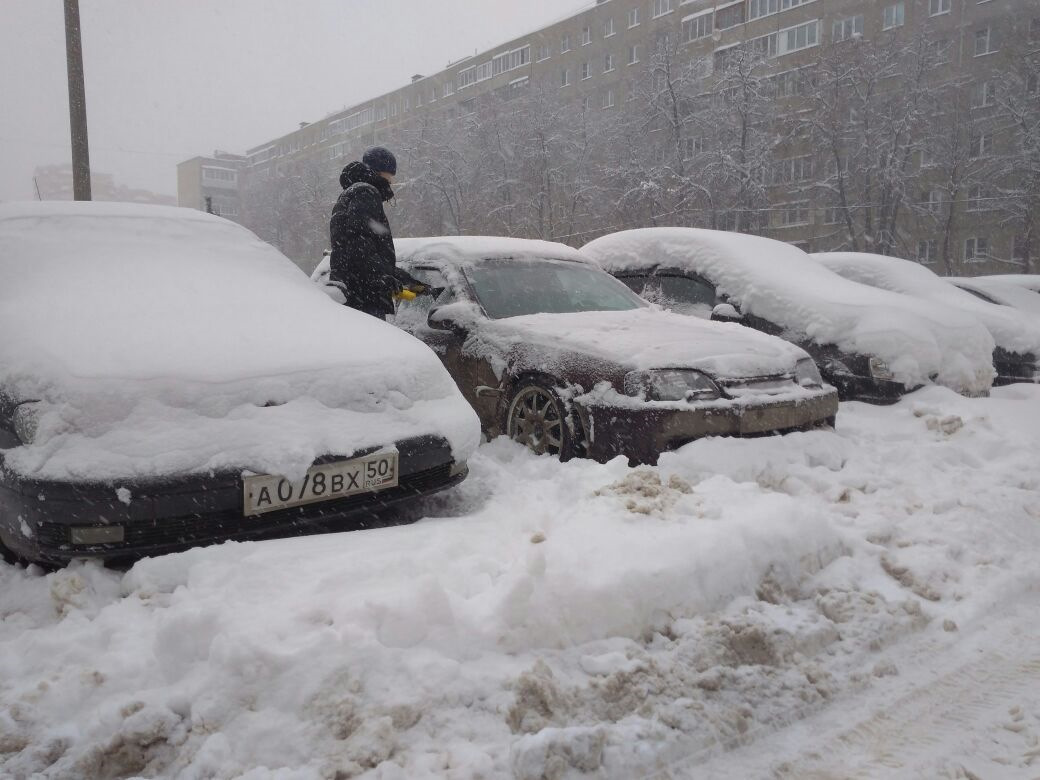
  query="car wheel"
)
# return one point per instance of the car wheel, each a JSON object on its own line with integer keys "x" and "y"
{"x": 538, "y": 419}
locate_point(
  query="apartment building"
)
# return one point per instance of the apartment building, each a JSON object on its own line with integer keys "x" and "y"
{"x": 591, "y": 58}
{"x": 212, "y": 184}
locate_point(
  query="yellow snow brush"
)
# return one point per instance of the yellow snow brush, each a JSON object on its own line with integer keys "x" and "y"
{"x": 405, "y": 295}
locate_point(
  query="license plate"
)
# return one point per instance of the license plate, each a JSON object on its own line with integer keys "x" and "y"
{"x": 268, "y": 492}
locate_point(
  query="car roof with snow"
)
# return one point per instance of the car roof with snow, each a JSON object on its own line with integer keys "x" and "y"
{"x": 780, "y": 283}
{"x": 1011, "y": 329}
{"x": 463, "y": 250}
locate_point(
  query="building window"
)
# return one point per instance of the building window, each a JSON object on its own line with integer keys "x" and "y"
{"x": 764, "y": 45}
{"x": 608, "y": 27}
{"x": 1019, "y": 245}
{"x": 938, "y": 7}
{"x": 543, "y": 53}
{"x": 791, "y": 214}
{"x": 586, "y": 36}
{"x": 977, "y": 199}
{"x": 633, "y": 54}
{"x": 788, "y": 4}
{"x": 586, "y": 104}
{"x": 586, "y": 71}
{"x": 801, "y": 37}
{"x": 393, "y": 109}
{"x": 832, "y": 215}
{"x": 696, "y": 27}
{"x": 760, "y": 8}
{"x": 983, "y": 42}
{"x": 844, "y": 29}
{"x": 939, "y": 51}
{"x": 510, "y": 60}
{"x": 1033, "y": 84}
{"x": 633, "y": 18}
{"x": 931, "y": 201}
{"x": 565, "y": 77}
{"x": 927, "y": 251}
{"x": 795, "y": 169}
{"x": 662, "y": 7}
{"x": 729, "y": 16}
{"x": 1034, "y": 29}
{"x": 565, "y": 44}
{"x": 608, "y": 63}
{"x": 984, "y": 95}
{"x": 894, "y": 16}
{"x": 976, "y": 249}
{"x": 608, "y": 99}
{"x": 981, "y": 145}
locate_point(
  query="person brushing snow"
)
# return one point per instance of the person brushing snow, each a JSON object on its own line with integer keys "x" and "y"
{"x": 363, "y": 262}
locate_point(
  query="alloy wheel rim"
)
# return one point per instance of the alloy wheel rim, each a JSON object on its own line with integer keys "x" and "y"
{"x": 536, "y": 422}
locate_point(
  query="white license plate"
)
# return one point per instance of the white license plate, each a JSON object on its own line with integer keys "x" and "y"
{"x": 267, "y": 492}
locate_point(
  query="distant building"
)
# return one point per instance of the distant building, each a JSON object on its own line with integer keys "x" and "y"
{"x": 54, "y": 182}
{"x": 591, "y": 57}
{"x": 211, "y": 184}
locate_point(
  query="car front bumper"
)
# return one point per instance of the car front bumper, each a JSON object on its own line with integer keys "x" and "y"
{"x": 642, "y": 434}
{"x": 41, "y": 521}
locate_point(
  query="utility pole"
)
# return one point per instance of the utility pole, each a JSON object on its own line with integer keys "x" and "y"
{"x": 77, "y": 103}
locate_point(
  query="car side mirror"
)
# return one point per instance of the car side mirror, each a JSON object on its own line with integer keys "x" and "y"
{"x": 726, "y": 312}
{"x": 458, "y": 317}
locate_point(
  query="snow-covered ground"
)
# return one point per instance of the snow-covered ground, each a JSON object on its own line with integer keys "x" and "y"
{"x": 858, "y": 603}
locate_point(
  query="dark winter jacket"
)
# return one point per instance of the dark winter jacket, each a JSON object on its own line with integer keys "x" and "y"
{"x": 363, "y": 259}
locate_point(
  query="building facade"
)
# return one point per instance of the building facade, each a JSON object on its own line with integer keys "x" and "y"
{"x": 54, "y": 182}
{"x": 594, "y": 57}
{"x": 212, "y": 184}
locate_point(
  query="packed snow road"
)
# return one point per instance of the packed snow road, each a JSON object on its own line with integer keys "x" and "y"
{"x": 823, "y": 604}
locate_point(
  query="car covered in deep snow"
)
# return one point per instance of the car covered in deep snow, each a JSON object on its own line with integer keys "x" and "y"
{"x": 992, "y": 290}
{"x": 1016, "y": 335}
{"x": 562, "y": 357}
{"x": 168, "y": 379}
{"x": 1029, "y": 281}
{"x": 871, "y": 345}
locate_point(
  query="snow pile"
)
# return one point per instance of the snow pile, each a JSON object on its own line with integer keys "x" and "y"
{"x": 1012, "y": 330}
{"x": 546, "y": 619}
{"x": 1029, "y": 281}
{"x": 163, "y": 340}
{"x": 781, "y": 284}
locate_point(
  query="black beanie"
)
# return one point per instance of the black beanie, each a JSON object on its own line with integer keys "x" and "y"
{"x": 380, "y": 160}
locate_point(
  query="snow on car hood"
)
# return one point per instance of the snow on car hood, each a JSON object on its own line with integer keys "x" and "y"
{"x": 650, "y": 338}
{"x": 163, "y": 340}
{"x": 780, "y": 283}
{"x": 1012, "y": 330}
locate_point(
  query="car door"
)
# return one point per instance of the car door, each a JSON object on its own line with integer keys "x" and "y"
{"x": 474, "y": 376}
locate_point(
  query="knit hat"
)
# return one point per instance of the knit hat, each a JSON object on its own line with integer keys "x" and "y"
{"x": 380, "y": 160}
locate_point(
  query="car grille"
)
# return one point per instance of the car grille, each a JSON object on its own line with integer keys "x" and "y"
{"x": 760, "y": 385}
{"x": 231, "y": 524}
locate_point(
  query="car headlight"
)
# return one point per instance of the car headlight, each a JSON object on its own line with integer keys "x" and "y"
{"x": 671, "y": 384}
{"x": 807, "y": 374}
{"x": 25, "y": 421}
{"x": 879, "y": 369}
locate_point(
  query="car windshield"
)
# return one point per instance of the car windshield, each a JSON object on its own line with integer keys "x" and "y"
{"x": 516, "y": 286}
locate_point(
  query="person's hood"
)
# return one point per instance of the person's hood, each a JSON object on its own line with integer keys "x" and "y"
{"x": 359, "y": 173}
{"x": 649, "y": 338}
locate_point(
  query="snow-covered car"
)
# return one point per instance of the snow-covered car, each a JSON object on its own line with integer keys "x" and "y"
{"x": 562, "y": 357}
{"x": 168, "y": 379}
{"x": 992, "y": 290}
{"x": 871, "y": 345}
{"x": 1016, "y": 335}
{"x": 1029, "y": 281}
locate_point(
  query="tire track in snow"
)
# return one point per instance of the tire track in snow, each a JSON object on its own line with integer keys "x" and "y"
{"x": 935, "y": 719}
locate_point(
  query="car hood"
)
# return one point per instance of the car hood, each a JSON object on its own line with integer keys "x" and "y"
{"x": 649, "y": 338}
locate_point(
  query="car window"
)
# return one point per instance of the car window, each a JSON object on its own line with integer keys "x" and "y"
{"x": 412, "y": 314}
{"x": 518, "y": 286}
{"x": 980, "y": 295}
{"x": 684, "y": 294}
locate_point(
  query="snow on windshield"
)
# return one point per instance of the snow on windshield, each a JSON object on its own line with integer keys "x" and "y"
{"x": 781, "y": 284}
{"x": 1012, "y": 330}
{"x": 123, "y": 317}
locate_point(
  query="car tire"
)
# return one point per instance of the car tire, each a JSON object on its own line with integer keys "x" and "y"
{"x": 538, "y": 418}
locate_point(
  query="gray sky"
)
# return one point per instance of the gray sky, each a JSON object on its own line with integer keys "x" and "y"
{"x": 169, "y": 79}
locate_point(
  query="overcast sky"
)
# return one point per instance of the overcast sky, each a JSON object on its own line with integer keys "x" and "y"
{"x": 169, "y": 79}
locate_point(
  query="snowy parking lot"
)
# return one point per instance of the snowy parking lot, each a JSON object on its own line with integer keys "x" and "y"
{"x": 828, "y": 604}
